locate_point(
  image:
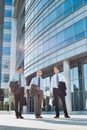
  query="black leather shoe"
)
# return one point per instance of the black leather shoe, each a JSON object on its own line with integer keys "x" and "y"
{"x": 17, "y": 117}
{"x": 21, "y": 117}
{"x": 40, "y": 117}
{"x": 67, "y": 116}
{"x": 56, "y": 116}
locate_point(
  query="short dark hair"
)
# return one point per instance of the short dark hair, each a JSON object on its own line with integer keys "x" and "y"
{"x": 57, "y": 67}
{"x": 19, "y": 67}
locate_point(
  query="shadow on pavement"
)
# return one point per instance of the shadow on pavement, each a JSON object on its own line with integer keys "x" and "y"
{"x": 63, "y": 121}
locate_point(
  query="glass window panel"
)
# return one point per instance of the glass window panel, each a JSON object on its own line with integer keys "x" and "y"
{"x": 85, "y": 70}
{"x": 41, "y": 49}
{"x": 85, "y": 1}
{"x": 52, "y": 41}
{"x": 69, "y": 41}
{"x": 75, "y": 7}
{"x": 60, "y": 37}
{"x": 52, "y": 16}
{"x": 7, "y": 38}
{"x": 40, "y": 26}
{"x": 79, "y": 25}
{"x": 86, "y": 23}
{"x": 5, "y": 78}
{"x": 75, "y": 73}
{"x": 61, "y": 45}
{"x": 8, "y": 2}
{"x": 7, "y": 25}
{"x": 67, "y": 5}
{"x": 68, "y": 33}
{"x": 75, "y": 1}
{"x": 6, "y": 63}
{"x": 79, "y": 36}
{"x": 46, "y": 21}
{"x": 59, "y": 10}
{"x": 75, "y": 85}
{"x": 46, "y": 46}
{"x": 8, "y": 13}
{"x": 6, "y": 50}
{"x": 85, "y": 83}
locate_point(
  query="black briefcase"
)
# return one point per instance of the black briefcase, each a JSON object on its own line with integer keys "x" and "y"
{"x": 15, "y": 87}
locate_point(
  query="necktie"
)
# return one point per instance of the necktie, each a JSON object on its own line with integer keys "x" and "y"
{"x": 57, "y": 80}
{"x": 39, "y": 82}
{"x": 20, "y": 79}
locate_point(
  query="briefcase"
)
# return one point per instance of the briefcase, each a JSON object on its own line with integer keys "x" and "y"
{"x": 15, "y": 87}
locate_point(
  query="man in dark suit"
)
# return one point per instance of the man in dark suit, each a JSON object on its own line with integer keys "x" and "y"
{"x": 19, "y": 96}
{"x": 58, "y": 87}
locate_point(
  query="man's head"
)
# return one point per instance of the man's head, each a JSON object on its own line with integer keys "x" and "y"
{"x": 39, "y": 73}
{"x": 56, "y": 69}
{"x": 19, "y": 69}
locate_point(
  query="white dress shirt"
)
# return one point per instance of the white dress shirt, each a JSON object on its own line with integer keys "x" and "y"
{"x": 16, "y": 78}
{"x": 35, "y": 81}
{"x": 54, "y": 81}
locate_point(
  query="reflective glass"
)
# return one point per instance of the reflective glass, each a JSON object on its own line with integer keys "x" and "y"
{"x": 67, "y": 5}
{"x": 8, "y": 2}
{"x": 79, "y": 25}
{"x": 78, "y": 5}
{"x": 68, "y": 33}
{"x": 6, "y": 51}
{"x": 7, "y": 25}
{"x": 85, "y": 70}
{"x": 7, "y": 38}
{"x": 59, "y": 10}
{"x": 6, "y": 63}
{"x": 52, "y": 41}
{"x": 79, "y": 36}
{"x": 52, "y": 16}
{"x": 8, "y": 13}
{"x": 85, "y": 83}
{"x": 60, "y": 37}
{"x": 85, "y": 1}
{"x": 5, "y": 78}
{"x": 46, "y": 21}
{"x": 75, "y": 1}
{"x": 86, "y": 23}
{"x": 46, "y": 46}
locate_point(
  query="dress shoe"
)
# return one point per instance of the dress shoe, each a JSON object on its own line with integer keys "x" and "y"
{"x": 56, "y": 116}
{"x": 21, "y": 117}
{"x": 17, "y": 117}
{"x": 40, "y": 117}
{"x": 37, "y": 116}
{"x": 67, "y": 116}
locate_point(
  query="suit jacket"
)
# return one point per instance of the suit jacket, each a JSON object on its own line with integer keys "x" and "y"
{"x": 62, "y": 88}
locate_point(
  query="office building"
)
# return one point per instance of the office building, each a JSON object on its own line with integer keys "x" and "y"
{"x": 56, "y": 34}
{"x": 19, "y": 16}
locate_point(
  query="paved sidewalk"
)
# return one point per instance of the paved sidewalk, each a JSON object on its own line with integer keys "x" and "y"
{"x": 76, "y": 122}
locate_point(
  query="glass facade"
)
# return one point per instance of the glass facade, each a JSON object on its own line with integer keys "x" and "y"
{"x": 79, "y": 85}
{"x": 40, "y": 37}
{"x": 51, "y": 28}
{"x": 6, "y": 48}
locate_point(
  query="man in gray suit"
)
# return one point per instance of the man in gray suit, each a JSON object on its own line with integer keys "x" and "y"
{"x": 37, "y": 84}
